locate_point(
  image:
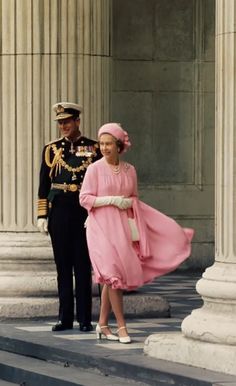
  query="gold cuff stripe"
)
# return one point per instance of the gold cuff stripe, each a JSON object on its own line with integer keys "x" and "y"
{"x": 42, "y": 201}
{"x": 42, "y": 212}
{"x": 42, "y": 207}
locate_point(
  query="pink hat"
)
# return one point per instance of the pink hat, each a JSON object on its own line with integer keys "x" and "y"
{"x": 116, "y": 131}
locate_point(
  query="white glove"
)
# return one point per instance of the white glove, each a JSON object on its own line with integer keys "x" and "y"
{"x": 119, "y": 201}
{"x": 122, "y": 202}
{"x": 42, "y": 224}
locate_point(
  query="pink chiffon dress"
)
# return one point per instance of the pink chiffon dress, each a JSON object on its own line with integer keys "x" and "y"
{"x": 116, "y": 260}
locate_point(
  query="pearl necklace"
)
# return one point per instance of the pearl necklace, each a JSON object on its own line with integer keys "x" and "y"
{"x": 115, "y": 169}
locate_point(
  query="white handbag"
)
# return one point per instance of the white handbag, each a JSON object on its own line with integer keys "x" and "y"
{"x": 133, "y": 229}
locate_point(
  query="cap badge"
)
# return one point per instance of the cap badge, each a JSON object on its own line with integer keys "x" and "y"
{"x": 60, "y": 109}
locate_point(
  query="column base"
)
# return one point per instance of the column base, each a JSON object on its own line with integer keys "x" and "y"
{"x": 176, "y": 348}
{"x": 33, "y": 307}
{"x": 27, "y": 307}
{"x": 136, "y": 305}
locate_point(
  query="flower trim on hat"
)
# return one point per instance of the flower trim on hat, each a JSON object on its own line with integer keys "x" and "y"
{"x": 126, "y": 141}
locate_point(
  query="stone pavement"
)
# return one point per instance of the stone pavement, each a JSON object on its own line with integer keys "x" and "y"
{"x": 34, "y": 356}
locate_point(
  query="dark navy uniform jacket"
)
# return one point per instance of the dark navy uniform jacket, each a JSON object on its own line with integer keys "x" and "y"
{"x": 64, "y": 162}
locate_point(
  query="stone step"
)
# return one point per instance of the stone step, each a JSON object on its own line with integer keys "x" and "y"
{"x": 136, "y": 304}
{"x": 135, "y": 369}
{"x": 5, "y": 383}
{"x": 104, "y": 360}
{"x": 26, "y": 371}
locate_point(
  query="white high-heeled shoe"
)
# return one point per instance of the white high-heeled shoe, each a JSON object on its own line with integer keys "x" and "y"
{"x": 107, "y": 336}
{"x": 123, "y": 339}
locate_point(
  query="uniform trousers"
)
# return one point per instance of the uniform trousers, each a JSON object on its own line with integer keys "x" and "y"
{"x": 68, "y": 236}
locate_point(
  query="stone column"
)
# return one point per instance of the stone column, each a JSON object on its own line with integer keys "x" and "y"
{"x": 208, "y": 337}
{"x": 50, "y": 51}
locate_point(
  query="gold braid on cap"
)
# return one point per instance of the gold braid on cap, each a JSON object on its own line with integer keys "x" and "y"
{"x": 55, "y": 161}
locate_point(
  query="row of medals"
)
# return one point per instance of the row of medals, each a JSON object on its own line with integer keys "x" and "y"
{"x": 80, "y": 151}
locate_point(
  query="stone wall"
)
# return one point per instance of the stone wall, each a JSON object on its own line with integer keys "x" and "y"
{"x": 163, "y": 93}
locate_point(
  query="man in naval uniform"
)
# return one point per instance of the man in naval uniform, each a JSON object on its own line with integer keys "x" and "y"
{"x": 64, "y": 163}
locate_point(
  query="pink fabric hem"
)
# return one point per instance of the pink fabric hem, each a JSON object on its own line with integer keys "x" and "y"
{"x": 114, "y": 283}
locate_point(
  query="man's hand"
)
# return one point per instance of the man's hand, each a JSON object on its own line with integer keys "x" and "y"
{"x": 42, "y": 224}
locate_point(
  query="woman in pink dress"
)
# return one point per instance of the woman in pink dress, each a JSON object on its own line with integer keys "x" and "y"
{"x": 130, "y": 243}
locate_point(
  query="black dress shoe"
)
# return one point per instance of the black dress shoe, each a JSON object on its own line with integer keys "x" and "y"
{"x": 85, "y": 327}
{"x": 62, "y": 326}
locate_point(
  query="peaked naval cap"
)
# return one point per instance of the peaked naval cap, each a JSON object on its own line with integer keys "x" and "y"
{"x": 66, "y": 110}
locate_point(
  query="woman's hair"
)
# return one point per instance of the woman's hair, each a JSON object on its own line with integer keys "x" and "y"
{"x": 120, "y": 145}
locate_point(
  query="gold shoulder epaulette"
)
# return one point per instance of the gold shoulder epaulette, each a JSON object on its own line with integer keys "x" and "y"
{"x": 55, "y": 140}
{"x": 57, "y": 155}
